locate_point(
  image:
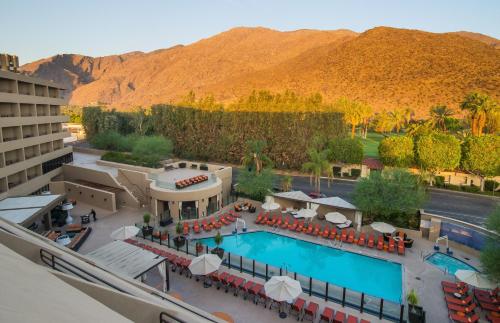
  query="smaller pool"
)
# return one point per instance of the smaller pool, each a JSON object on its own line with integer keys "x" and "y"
{"x": 448, "y": 263}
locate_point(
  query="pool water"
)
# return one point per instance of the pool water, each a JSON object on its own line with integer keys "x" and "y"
{"x": 448, "y": 263}
{"x": 376, "y": 277}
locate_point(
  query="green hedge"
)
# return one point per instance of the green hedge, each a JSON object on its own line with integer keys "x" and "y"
{"x": 124, "y": 158}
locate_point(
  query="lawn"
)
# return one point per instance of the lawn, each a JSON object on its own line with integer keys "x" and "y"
{"x": 370, "y": 144}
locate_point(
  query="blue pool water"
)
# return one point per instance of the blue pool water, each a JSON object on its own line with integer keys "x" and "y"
{"x": 360, "y": 273}
{"x": 448, "y": 263}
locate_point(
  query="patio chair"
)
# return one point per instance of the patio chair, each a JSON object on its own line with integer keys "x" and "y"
{"x": 246, "y": 288}
{"x": 316, "y": 231}
{"x": 455, "y": 317}
{"x": 326, "y": 232}
{"x": 293, "y": 226}
{"x": 297, "y": 308}
{"x": 371, "y": 241}
{"x": 401, "y": 247}
{"x": 327, "y": 315}
{"x": 236, "y": 284}
{"x": 310, "y": 311}
{"x": 254, "y": 291}
{"x": 352, "y": 235}
{"x": 339, "y": 317}
{"x": 361, "y": 240}
{"x": 352, "y": 319}
{"x": 286, "y": 223}
{"x": 343, "y": 235}
{"x": 380, "y": 242}
{"x": 459, "y": 308}
{"x": 392, "y": 245}
{"x": 333, "y": 234}
{"x": 458, "y": 301}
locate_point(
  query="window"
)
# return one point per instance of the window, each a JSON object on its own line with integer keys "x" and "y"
{"x": 50, "y": 165}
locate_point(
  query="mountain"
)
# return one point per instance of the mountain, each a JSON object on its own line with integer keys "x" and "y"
{"x": 386, "y": 67}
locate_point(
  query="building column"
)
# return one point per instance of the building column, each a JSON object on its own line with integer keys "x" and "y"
{"x": 358, "y": 218}
{"x": 48, "y": 220}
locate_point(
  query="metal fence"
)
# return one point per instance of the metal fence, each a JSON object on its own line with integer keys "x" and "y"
{"x": 380, "y": 307}
{"x": 464, "y": 235}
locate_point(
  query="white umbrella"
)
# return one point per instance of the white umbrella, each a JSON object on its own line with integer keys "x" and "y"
{"x": 124, "y": 233}
{"x": 270, "y": 206}
{"x": 305, "y": 213}
{"x": 383, "y": 227}
{"x": 205, "y": 264}
{"x": 282, "y": 288}
{"x": 335, "y": 217}
{"x": 474, "y": 278}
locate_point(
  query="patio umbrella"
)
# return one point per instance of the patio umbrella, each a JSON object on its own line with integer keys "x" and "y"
{"x": 205, "y": 264}
{"x": 270, "y": 205}
{"x": 282, "y": 288}
{"x": 335, "y": 217}
{"x": 474, "y": 278}
{"x": 124, "y": 232}
{"x": 383, "y": 227}
{"x": 305, "y": 213}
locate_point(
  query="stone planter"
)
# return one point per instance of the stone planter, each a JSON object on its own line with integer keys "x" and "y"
{"x": 179, "y": 241}
{"x": 416, "y": 314}
{"x": 147, "y": 231}
{"x": 218, "y": 251}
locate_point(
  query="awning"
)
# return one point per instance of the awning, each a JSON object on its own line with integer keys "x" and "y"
{"x": 25, "y": 209}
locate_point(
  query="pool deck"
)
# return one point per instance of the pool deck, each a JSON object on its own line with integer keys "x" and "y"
{"x": 417, "y": 273}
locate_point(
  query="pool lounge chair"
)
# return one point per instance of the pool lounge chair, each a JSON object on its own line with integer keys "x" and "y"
{"x": 285, "y": 223}
{"x": 459, "y": 301}
{"x": 493, "y": 317}
{"x": 236, "y": 284}
{"x": 490, "y": 306}
{"x": 297, "y": 308}
{"x": 352, "y": 235}
{"x": 327, "y": 315}
{"x": 310, "y": 311}
{"x": 309, "y": 228}
{"x": 254, "y": 291}
{"x": 246, "y": 287}
{"x": 316, "y": 231}
{"x": 392, "y": 245}
{"x": 371, "y": 241}
{"x": 262, "y": 297}
{"x": 459, "y": 308}
{"x": 452, "y": 290}
{"x": 186, "y": 228}
{"x": 326, "y": 232}
{"x": 343, "y": 235}
{"x": 380, "y": 242}
{"x": 339, "y": 317}
{"x": 481, "y": 292}
{"x": 453, "y": 284}
{"x": 300, "y": 227}
{"x": 206, "y": 226}
{"x": 361, "y": 240}
{"x": 333, "y": 234}
{"x": 196, "y": 227}
{"x": 352, "y": 319}
{"x": 293, "y": 226}
{"x": 259, "y": 217}
{"x": 401, "y": 247}
{"x": 464, "y": 318}
{"x": 486, "y": 297}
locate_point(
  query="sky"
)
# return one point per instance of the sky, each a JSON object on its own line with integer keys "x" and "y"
{"x": 36, "y": 29}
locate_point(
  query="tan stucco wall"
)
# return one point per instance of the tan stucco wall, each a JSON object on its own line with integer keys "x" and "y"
{"x": 86, "y": 194}
{"x": 137, "y": 182}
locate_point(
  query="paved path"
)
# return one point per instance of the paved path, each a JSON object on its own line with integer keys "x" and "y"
{"x": 472, "y": 208}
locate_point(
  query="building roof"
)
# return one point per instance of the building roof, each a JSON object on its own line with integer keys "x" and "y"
{"x": 294, "y": 195}
{"x": 125, "y": 259}
{"x": 21, "y": 209}
{"x": 373, "y": 163}
{"x": 335, "y": 201}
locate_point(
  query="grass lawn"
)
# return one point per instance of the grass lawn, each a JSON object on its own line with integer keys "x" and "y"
{"x": 370, "y": 144}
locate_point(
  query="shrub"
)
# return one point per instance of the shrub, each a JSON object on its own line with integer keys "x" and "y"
{"x": 438, "y": 151}
{"x": 355, "y": 172}
{"x": 346, "y": 150}
{"x": 154, "y": 148}
{"x": 396, "y": 151}
{"x": 124, "y": 158}
{"x": 490, "y": 185}
{"x": 439, "y": 181}
{"x": 146, "y": 218}
{"x": 470, "y": 189}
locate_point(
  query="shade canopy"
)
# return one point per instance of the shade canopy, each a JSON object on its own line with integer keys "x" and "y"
{"x": 205, "y": 264}
{"x": 474, "y": 278}
{"x": 282, "y": 288}
{"x": 383, "y": 227}
{"x": 335, "y": 217}
{"x": 305, "y": 213}
{"x": 270, "y": 205}
{"x": 124, "y": 233}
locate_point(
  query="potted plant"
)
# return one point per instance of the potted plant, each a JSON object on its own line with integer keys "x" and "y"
{"x": 179, "y": 240}
{"x": 146, "y": 229}
{"x": 199, "y": 247}
{"x": 218, "y": 241}
{"x": 416, "y": 314}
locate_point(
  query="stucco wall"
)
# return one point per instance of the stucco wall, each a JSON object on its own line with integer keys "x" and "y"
{"x": 86, "y": 194}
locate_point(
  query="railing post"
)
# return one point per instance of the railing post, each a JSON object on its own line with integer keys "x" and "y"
{"x": 196, "y": 251}
{"x": 206, "y": 248}
{"x": 241, "y": 264}
{"x": 267, "y": 267}
{"x": 295, "y": 275}
{"x": 229, "y": 259}
{"x": 187, "y": 247}
{"x": 167, "y": 275}
{"x": 159, "y": 233}
{"x": 343, "y": 297}
{"x": 281, "y": 271}
{"x": 326, "y": 293}
{"x": 362, "y": 302}
{"x": 310, "y": 286}
{"x": 168, "y": 240}
{"x": 253, "y": 268}
{"x": 402, "y": 313}
{"x": 381, "y": 309}
{"x": 53, "y": 261}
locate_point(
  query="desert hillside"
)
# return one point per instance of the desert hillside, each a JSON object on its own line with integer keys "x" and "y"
{"x": 385, "y": 67}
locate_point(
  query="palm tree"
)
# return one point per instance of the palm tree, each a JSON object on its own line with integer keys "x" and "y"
{"x": 479, "y": 106}
{"x": 383, "y": 122}
{"x": 439, "y": 114}
{"x": 351, "y": 111}
{"x": 254, "y": 157}
{"x": 399, "y": 117}
{"x": 286, "y": 183}
{"x": 365, "y": 114}
{"x": 318, "y": 165}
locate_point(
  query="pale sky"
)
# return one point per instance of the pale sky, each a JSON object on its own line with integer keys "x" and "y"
{"x": 36, "y": 29}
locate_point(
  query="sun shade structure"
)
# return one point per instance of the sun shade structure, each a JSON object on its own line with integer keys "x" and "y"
{"x": 270, "y": 205}
{"x": 125, "y": 259}
{"x": 383, "y": 227}
{"x": 205, "y": 264}
{"x": 124, "y": 232}
{"x": 474, "y": 278}
{"x": 335, "y": 217}
{"x": 282, "y": 288}
{"x": 305, "y": 213}
{"x": 294, "y": 195}
{"x": 26, "y": 209}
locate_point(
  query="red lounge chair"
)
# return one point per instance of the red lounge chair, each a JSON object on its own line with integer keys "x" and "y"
{"x": 343, "y": 236}
{"x": 361, "y": 240}
{"x": 352, "y": 235}
{"x": 401, "y": 247}
{"x": 490, "y": 307}
{"x": 316, "y": 231}
{"x": 371, "y": 241}
{"x": 392, "y": 245}
{"x": 464, "y": 318}
{"x": 300, "y": 226}
{"x": 459, "y": 301}
{"x": 205, "y": 225}
{"x": 186, "y": 228}
{"x": 485, "y": 297}
{"x": 236, "y": 284}
{"x": 493, "y": 317}
{"x": 255, "y": 291}
{"x": 310, "y": 311}
{"x": 273, "y": 221}
{"x": 285, "y": 223}
{"x": 339, "y": 317}
{"x": 479, "y": 292}
{"x": 327, "y": 315}
{"x": 297, "y": 307}
{"x": 451, "y": 290}
{"x": 246, "y": 288}
{"x": 196, "y": 227}
{"x": 458, "y": 308}
{"x": 280, "y": 220}
{"x": 380, "y": 242}
{"x": 352, "y": 319}
{"x": 309, "y": 229}
{"x": 222, "y": 279}
{"x": 262, "y": 297}
{"x": 264, "y": 219}
{"x": 293, "y": 227}
{"x": 326, "y": 232}
{"x": 333, "y": 234}
{"x": 452, "y": 284}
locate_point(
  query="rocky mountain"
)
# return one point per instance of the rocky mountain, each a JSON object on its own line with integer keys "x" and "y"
{"x": 385, "y": 67}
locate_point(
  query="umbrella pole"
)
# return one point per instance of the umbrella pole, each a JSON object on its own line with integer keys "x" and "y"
{"x": 283, "y": 314}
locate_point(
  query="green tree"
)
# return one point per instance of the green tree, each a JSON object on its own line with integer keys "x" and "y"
{"x": 255, "y": 186}
{"x": 437, "y": 152}
{"x": 400, "y": 117}
{"x": 141, "y": 121}
{"x": 317, "y": 166}
{"x": 439, "y": 114}
{"x": 397, "y": 151}
{"x": 346, "y": 150}
{"x": 91, "y": 119}
{"x": 286, "y": 183}
{"x": 154, "y": 148}
{"x": 490, "y": 255}
{"x": 479, "y": 106}
{"x": 254, "y": 157}
{"x": 352, "y": 113}
{"x": 383, "y": 122}
{"x": 481, "y": 156}
{"x": 387, "y": 194}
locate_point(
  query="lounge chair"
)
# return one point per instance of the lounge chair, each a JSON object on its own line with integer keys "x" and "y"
{"x": 327, "y": 315}
{"x": 459, "y": 301}
{"x": 380, "y": 242}
{"x": 343, "y": 236}
{"x": 392, "y": 245}
{"x": 316, "y": 231}
{"x": 254, "y": 291}
{"x": 490, "y": 306}
{"x": 196, "y": 227}
{"x": 352, "y": 235}
{"x": 293, "y": 227}
{"x": 309, "y": 229}
{"x": 333, "y": 234}
{"x": 361, "y": 240}
{"x": 339, "y": 317}
{"x": 480, "y": 292}
{"x": 459, "y": 308}
{"x": 262, "y": 297}
{"x": 486, "y": 296}
{"x": 297, "y": 308}
{"x": 206, "y": 226}
{"x": 352, "y": 319}
{"x": 493, "y": 317}
{"x": 451, "y": 290}
{"x": 310, "y": 311}
{"x": 371, "y": 241}
{"x": 464, "y": 318}
{"x": 284, "y": 225}
{"x": 272, "y": 221}
{"x": 326, "y": 232}
{"x": 280, "y": 220}
{"x": 186, "y": 228}
{"x": 300, "y": 227}
{"x": 401, "y": 247}
{"x": 236, "y": 284}
{"x": 222, "y": 279}
{"x": 246, "y": 288}
{"x": 453, "y": 284}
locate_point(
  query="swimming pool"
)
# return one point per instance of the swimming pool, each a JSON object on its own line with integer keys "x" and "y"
{"x": 376, "y": 277}
{"x": 448, "y": 263}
